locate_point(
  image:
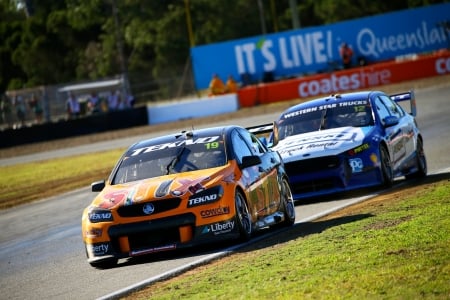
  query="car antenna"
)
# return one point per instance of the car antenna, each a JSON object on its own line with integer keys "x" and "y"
{"x": 188, "y": 134}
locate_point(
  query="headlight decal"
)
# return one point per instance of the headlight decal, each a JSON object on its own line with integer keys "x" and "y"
{"x": 114, "y": 198}
{"x": 163, "y": 188}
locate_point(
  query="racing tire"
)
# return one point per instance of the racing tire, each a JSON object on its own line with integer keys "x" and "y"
{"x": 288, "y": 204}
{"x": 387, "y": 173}
{"x": 421, "y": 162}
{"x": 243, "y": 217}
{"x": 105, "y": 264}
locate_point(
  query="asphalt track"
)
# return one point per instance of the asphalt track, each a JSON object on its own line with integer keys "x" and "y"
{"x": 42, "y": 255}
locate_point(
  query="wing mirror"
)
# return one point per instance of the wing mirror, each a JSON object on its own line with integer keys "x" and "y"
{"x": 98, "y": 186}
{"x": 250, "y": 161}
{"x": 390, "y": 121}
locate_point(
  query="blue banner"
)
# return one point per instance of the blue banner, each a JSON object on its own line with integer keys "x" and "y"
{"x": 316, "y": 49}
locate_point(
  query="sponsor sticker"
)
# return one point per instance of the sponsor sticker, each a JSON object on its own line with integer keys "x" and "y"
{"x": 219, "y": 228}
{"x": 201, "y": 200}
{"x": 182, "y": 143}
{"x": 356, "y": 164}
{"x": 205, "y": 197}
{"x": 217, "y": 211}
{"x": 99, "y": 249}
{"x": 359, "y": 149}
{"x": 96, "y": 216}
{"x": 93, "y": 233}
{"x": 153, "y": 250}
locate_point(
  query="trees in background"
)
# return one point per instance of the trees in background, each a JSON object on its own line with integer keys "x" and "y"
{"x": 49, "y": 42}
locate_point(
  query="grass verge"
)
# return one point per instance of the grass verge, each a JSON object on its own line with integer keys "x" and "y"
{"x": 28, "y": 182}
{"x": 392, "y": 247}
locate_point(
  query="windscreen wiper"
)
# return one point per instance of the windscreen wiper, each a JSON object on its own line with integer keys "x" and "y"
{"x": 174, "y": 161}
{"x": 323, "y": 119}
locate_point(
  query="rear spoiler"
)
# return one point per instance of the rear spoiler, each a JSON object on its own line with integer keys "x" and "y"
{"x": 262, "y": 132}
{"x": 406, "y": 96}
{"x": 261, "y": 129}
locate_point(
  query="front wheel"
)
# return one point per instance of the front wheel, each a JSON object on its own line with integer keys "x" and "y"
{"x": 421, "y": 162}
{"x": 243, "y": 218}
{"x": 288, "y": 204}
{"x": 104, "y": 264}
{"x": 387, "y": 172}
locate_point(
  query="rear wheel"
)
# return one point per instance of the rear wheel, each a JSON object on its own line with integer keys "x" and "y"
{"x": 386, "y": 168}
{"x": 421, "y": 162}
{"x": 243, "y": 218}
{"x": 288, "y": 204}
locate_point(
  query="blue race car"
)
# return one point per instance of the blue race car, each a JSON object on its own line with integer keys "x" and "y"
{"x": 348, "y": 141}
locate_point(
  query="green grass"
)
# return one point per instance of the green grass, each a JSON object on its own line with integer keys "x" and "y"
{"x": 28, "y": 182}
{"x": 398, "y": 249}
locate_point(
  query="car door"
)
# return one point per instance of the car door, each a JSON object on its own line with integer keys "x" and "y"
{"x": 271, "y": 161}
{"x": 395, "y": 135}
{"x": 268, "y": 173}
{"x": 408, "y": 128}
{"x": 253, "y": 177}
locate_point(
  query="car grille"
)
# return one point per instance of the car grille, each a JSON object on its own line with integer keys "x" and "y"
{"x": 151, "y": 234}
{"x": 137, "y": 210}
{"x": 316, "y": 165}
{"x": 312, "y": 165}
{"x": 312, "y": 186}
{"x": 154, "y": 238}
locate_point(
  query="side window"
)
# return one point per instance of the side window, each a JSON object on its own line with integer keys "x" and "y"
{"x": 240, "y": 147}
{"x": 399, "y": 110}
{"x": 252, "y": 141}
{"x": 261, "y": 147}
{"x": 394, "y": 108}
{"x": 381, "y": 109}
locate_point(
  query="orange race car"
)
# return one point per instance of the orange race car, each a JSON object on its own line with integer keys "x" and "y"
{"x": 186, "y": 189}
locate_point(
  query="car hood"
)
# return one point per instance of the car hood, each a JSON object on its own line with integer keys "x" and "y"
{"x": 159, "y": 188}
{"x": 321, "y": 143}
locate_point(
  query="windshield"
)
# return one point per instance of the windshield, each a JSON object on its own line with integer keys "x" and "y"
{"x": 326, "y": 117}
{"x": 185, "y": 158}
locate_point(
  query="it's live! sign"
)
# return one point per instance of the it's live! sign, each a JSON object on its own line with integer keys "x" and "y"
{"x": 346, "y": 80}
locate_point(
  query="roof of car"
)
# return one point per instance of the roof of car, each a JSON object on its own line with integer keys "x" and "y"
{"x": 183, "y": 135}
{"x": 328, "y": 99}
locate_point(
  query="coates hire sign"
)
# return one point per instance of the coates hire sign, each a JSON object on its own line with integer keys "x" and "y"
{"x": 310, "y": 50}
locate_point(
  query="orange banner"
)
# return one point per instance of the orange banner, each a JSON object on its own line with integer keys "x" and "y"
{"x": 347, "y": 80}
